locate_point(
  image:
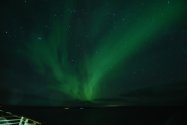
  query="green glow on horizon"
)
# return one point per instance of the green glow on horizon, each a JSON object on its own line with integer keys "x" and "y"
{"x": 115, "y": 47}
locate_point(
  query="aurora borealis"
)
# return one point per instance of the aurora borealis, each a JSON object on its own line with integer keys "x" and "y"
{"x": 102, "y": 51}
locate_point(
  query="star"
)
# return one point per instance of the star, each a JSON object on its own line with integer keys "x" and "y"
{"x": 25, "y": 1}
{"x": 39, "y": 38}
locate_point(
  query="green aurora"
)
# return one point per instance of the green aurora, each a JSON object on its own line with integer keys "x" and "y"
{"x": 117, "y": 45}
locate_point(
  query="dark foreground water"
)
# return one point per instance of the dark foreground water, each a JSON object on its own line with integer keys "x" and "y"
{"x": 102, "y": 115}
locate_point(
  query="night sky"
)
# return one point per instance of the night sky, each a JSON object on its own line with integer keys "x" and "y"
{"x": 109, "y": 52}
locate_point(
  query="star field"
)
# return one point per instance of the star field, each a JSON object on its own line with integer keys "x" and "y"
{"x": 111, "y": 52}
